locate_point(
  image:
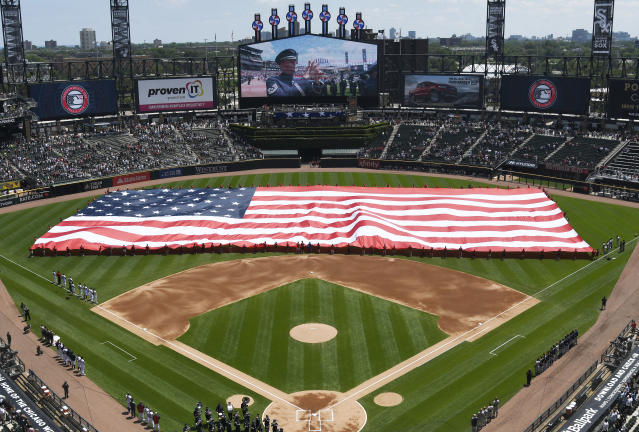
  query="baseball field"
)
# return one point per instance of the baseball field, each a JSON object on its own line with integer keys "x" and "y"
{"x": 178, "y": 329}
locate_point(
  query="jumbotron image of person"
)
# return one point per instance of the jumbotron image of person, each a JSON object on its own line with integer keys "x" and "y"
{"x": 286, "y": 84}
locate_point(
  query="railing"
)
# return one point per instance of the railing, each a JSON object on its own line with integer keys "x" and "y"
{"x": 539, "y": 421}
{"x": 11, "y": 363}
{"x": 54, "y": 403}
{"x": 607, "y": 356}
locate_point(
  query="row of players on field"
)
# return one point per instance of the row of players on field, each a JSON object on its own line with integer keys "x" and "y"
{"x": 82, "y": 291}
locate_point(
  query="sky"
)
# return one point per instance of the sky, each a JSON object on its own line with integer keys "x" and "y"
{"x": 197, "y": 20}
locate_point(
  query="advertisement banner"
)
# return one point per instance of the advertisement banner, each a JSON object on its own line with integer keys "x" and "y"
{"x": 131, "y": 178}
{"x": 16, "y": 397}
{"x": 495, "y": 21}
{"x": 623, "y": 99}
{"x": 176, "y": 94}
{"x": 72, "y": 99}
{"x": 14, "y": 184}
{"x": 459, "y": 91}
{"x": 545, "y": 94}
{"x": 600, "y": 403}
{"x": 168, "y": 173}
{"x": 602, "y": 27}
{"x": 308, "y": 68}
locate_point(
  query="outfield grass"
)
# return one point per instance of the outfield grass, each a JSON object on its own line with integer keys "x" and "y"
{"x": 439, "y": 396}
{"x": 252, "y": 335}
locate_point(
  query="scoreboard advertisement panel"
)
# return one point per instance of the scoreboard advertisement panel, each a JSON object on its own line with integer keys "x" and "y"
{"x": 545, "y": 94}
{"x": 175, "y": 94}
{"x": 307, "y": 69}
{"x": 70, "y": 99}
{"x": 459, "y": 91}
{"x": 623, "y": 98}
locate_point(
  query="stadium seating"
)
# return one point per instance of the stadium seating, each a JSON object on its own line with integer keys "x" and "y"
{"x": 583, "y": 152}
{"x": 43, "y": 161}
{"x": 538, "y": 148}
{"x": 411, "y": 140}
{"x": 453, "y": 142}
{"x": 374, "y": 148}
{"x": 496, "y": 145}
{"x": 624, "y": 166}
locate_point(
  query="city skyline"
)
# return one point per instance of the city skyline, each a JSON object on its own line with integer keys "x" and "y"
{"x": 172, "y": 20}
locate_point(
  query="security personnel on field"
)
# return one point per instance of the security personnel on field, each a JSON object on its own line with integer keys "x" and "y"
{"x": 286, "y": 84}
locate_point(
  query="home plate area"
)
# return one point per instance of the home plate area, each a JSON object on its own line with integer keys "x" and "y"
{"x": 318, "y": 411}
{"x": 314, "y": 420}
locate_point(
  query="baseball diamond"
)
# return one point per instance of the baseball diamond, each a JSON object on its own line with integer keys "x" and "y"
{"x": 419, "y": 343}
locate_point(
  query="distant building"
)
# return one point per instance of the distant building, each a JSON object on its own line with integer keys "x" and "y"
{"x": 282, "y": 32}
{"x": 87, "y": 39}
{"x": 392, "y": 33}
{"x": 28, "y": 46}
{"x": 581, "y": 35}
{"x": 157, "y": 43}
{"x": 621, "y": 36}
{"x": 412, "y": 34}
{"x": 296, "y": 27}
{"x": 516, "y": 37}
{"x": 267, "y": 35}
{"x": 50, "y": 44}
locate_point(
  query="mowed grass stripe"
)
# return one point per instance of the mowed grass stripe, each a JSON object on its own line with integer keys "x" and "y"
{"x": 362, "y": 348}
{"x": 329, "y": 353}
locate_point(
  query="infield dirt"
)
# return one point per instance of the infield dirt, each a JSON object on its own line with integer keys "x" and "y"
{"x": 467, "y": 306}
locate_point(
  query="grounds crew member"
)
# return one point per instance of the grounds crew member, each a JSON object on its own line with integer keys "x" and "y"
{"x": 286, "y": 84}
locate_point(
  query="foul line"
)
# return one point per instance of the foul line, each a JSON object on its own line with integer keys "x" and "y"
{"x": 463, "y": 335}
{"x": 126, "y": 352}
{"x": 177, "y": 347}
{"x": 514, "y": 337}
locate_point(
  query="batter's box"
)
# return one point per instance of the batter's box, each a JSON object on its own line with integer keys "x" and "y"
{"x": 326, "y": 415}
{"x": 302, "y": 415}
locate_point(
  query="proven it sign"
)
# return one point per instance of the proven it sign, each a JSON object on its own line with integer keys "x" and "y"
{"x": 176, "y": 94}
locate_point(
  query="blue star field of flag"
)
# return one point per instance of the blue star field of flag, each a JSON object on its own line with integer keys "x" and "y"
{"x": 146, "y": 203}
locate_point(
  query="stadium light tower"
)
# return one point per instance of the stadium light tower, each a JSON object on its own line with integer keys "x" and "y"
{"x": 13, "y": 42}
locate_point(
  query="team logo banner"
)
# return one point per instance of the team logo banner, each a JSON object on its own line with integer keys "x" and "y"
{"x": 176, "y": 94}
{"x": 495, "y": 27}
{"x": 545, "y": 94}
{"x": 74, "y": 99}
{"x": 463, "y": 91}
{"x": 602, "y": 27}
{"x": 623, "y": 99}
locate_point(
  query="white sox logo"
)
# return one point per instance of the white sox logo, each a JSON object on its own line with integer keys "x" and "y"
{"x": 542, "y": 94}
{"x": 75, "y": 99}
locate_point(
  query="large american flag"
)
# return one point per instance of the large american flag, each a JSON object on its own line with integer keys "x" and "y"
{"x": 478, "y": 219}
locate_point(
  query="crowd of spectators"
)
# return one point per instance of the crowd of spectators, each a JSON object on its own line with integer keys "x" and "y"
{"x": 375, "y": 147}
{"x": 556, "y": 352}
{"x": 453, "y": 141}
{"x": 51, "y": 159}
{"x": 496, "y": 145}
{"x": 411, "y": 140}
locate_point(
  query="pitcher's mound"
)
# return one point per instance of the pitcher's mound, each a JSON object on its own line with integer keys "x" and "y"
{"x": 313, "y": 333}
{"x": 388, "y": 399}
{"x": 319, "y": 410}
